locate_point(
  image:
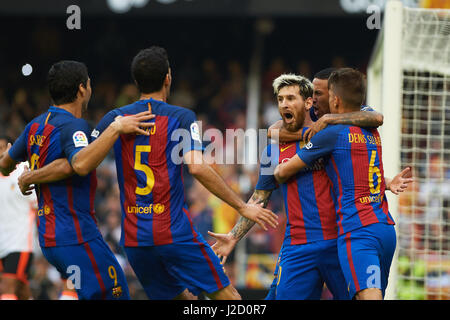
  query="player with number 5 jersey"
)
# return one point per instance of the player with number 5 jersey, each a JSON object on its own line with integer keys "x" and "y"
{"x": 149, "y": 176}
{"x": 170, "y": 258}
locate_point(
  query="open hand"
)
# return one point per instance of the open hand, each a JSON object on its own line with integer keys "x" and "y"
{"x": 259, "y": 215}
{"x": 401, "y": 181}
{"x": 223, "y": 246}
{"x": 316, "y": 127}
{"x": 134, "y": 123}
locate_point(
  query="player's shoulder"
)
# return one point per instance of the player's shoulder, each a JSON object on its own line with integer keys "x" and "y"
{"x": 68, "y": 123}
{"x": 271, "y": 146}
{"x": 328, "y": 136}
{"x": 269, "y": 156}
{"x": 55, "y": 119}
{"x": 367, "y": 108}
{"x": 128, "y": 109}
{"x": 272, "y": 151}
{"x": 334, "y": 129}
{"x": 63, "y": 120}
{"x": 39, "y": 119}
{"x": 157, "y": 107}
{"x": 175, "y": 111}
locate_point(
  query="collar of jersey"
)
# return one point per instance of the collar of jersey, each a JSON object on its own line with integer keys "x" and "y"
{"x": 56, "y": 109}
{"x": 147, "y": 100}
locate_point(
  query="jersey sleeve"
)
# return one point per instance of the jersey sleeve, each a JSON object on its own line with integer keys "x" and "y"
{"x": 74, "y": 137}
{"x": 268, "y": 163}
{"x": 191, "y": 139}
{"x": 367, "y": 108}
{"x": 304, "y": 130}
{"x": 312, "y": 114}
{"x": 321, "y": 144}
{"x": 103, "y": 124}
{"x": 18, "y": 151}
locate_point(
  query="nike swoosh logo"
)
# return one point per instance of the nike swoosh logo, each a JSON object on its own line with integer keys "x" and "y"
{"x": 283, "y": 149}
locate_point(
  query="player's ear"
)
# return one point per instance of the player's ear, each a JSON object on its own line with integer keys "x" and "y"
{"x": 82, "y": 90}
{"x": 333, "y": 101}
{"x": 308, "y": 103}
{"x": 168, "y": 79}
{"x": 338, "y": 102}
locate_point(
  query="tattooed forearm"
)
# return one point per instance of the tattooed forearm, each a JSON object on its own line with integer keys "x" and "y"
{"x": 244, "y": 225}
{"x": 260, "y": 197}
{"x": 359, "y": 118}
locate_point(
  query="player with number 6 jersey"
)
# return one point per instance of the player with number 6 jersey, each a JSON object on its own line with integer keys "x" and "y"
{"x": 367, "y": 240}
{"x": 356, "y": 171}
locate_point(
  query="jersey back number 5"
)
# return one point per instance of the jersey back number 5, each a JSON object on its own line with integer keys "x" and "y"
{"x": 138, "y": 165}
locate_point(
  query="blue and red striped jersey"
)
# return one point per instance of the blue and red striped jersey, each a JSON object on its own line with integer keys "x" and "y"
{"x": 308, "y": 200}
{"x": 354, "y": 164}
{"x": 66, "y": 213}
{"x": 149, "y": 173}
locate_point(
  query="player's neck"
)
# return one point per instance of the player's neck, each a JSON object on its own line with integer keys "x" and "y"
{"x": 73, "y": 108}
{"x": 345, "y": 108}
{"x": 308, "y": 121}
{"x": 160, "y": 95}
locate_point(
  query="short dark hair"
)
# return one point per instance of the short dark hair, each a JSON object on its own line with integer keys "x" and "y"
{"x": 350, "y": 85}
{"x": 325, "y": 73}
{"x": 149, "y": 69}
{"x": 64, "y": 79}
{"x": 6, "y": 138}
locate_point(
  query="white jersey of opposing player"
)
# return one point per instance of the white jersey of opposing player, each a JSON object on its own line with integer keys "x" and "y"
{"x": 17, "y": 216}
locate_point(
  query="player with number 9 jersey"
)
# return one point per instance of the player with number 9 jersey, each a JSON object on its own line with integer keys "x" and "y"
{"x": 68, "y": 233}
{"x": 66, "y": 208}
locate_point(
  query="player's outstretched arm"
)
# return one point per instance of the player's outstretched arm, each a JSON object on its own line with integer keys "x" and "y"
{"x": 54, "y": 171}
{"x": 225, "y": 243}
{"x": 284, "y": 171}
{"x": 7, "y": 164}
{"x": 359, "y": 118}
{"x": 212, "y": 181}
{"x": 90, "y": 157}
{"x": 278, "y": 131}
{"x": 400, "y": 182}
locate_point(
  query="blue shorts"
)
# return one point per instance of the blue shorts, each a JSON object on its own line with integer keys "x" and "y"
{"x": 365, "y": 255}
{"x": 303, "y": 269}
{"x": 165, "y": 271}
{"x": 92, "y": 268}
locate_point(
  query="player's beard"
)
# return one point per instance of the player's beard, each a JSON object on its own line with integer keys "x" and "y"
{"x": 295, "y": 125}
